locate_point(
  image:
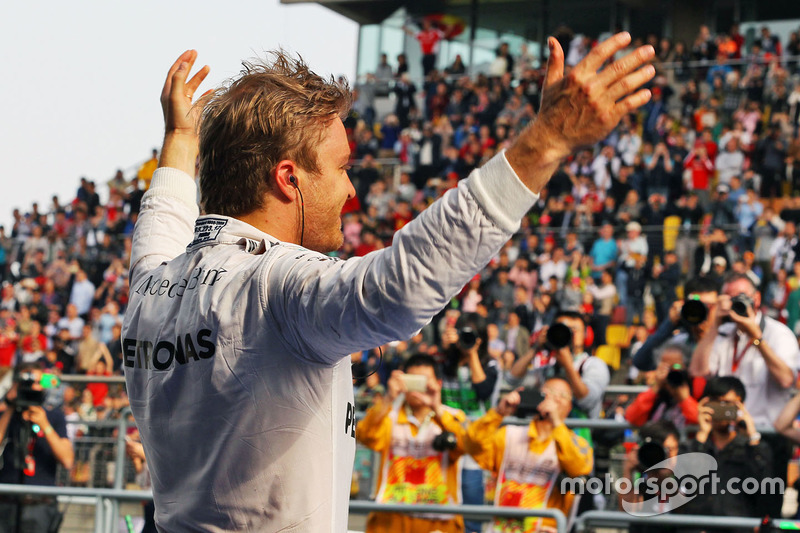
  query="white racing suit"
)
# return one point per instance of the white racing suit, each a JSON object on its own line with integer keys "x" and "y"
{"x": 236, "y": 345}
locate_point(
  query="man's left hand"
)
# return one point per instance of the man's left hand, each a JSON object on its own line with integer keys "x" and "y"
{"x": 549, "y": 410}
{"x": 744, "y": 416}
{"x": 564, "y": 357}
{"x": 747, "y": 324}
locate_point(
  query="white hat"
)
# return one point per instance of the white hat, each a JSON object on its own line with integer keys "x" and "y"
{"x": 633, "y": 226}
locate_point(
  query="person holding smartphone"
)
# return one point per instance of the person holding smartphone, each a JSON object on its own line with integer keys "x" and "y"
{"x": 421, "y": 443}
{"x": 728, "y": 433}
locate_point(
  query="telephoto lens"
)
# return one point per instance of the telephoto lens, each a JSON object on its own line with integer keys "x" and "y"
{"x": 650, "y": 453}
{"x": 694, "y": 311}
{"x": 559, "y": 335}
{"x": 741, "y": 304}
{"x": 467, "y": 337}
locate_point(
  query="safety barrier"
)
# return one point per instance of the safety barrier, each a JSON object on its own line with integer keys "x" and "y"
{"x": 621, "y": 519}
{"x": 107, "y": 500}
{"x": 479, "y": 512}
{"x": 105, "y": 520}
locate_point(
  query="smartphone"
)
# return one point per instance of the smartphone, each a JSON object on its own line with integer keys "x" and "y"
{"x": 723, "y": 411}
{"x": 415, "y": 382}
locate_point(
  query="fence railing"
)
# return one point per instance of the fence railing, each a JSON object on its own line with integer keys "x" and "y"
{"x": 621, "y": 519}
{"x": 107, "y": 500}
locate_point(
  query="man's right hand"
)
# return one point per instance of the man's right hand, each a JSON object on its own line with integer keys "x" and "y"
{"x": 581, "y": 108}
{"x": 704, "y": 415}
{"x": 508, "y": 404}
{"x": 675, "y": 311}
{"x": 181, "y": 142}
{"x": 395, "y": 385}
{"x": 180, "y": 116}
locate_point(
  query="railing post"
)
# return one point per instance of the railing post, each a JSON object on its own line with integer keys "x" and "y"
{"x": 99, "y": 516}
{"x": 119, "y": 472}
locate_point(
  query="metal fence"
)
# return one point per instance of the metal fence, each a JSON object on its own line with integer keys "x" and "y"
{"x": 104, "y": 477}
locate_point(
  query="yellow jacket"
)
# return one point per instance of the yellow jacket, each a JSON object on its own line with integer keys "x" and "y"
{"x": 146, "y": 171}
{"x": 375, "y": 432}
{"x": 485, "y": 440}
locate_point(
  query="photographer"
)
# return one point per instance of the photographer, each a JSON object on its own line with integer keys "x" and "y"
{"x": 34, "y": 442}
{"x": 757, "y": 349}
{"x": 564, "y": 355}
{"x": 470, "y": 376}
{"x": 658, "y": 441}
{"x": 670, "y": 396}
{"x": 469, "y": 372}
{"x": 728, "y": 434}
{"x": 527, "y": 460}
{"x": 691, "y": 323}
{"x": 420, "y": 442}
{"x": 760, "y": 351}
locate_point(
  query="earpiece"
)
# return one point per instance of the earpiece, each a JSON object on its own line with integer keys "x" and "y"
{"x": 293, "y": 181}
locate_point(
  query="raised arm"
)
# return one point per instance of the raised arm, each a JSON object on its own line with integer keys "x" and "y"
{"x": 390, "y": 294}
{"x": 581, "y": 108}
{"x": 162, "y": 233}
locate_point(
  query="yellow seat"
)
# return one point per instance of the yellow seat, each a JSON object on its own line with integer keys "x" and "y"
{"x": 617, "y": 335}
{"x": 672, "y": 225}
{"x": 610, "y": 355}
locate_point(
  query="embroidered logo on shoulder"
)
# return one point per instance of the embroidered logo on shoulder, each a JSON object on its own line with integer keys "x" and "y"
{"x": 206, "y": 230}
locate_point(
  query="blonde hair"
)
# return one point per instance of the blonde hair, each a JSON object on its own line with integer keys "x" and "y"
{"x": 272, "y": 111}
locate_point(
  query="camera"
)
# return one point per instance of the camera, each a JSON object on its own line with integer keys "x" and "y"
{"x": 694, "y": 311}
{"x": 650, "y": 453}
{"x": 741, "y": 304}
{"x": 530, "y": 399}
{"x": 28, "y": 395}
{"x": 559, "y": 336}
{"x": 677, "y": 376}
{"x": 444, "y": 441}
{"x": 467, "y": 337}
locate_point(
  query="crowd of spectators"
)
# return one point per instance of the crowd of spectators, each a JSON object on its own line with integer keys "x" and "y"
{"x": 703, "y": 182}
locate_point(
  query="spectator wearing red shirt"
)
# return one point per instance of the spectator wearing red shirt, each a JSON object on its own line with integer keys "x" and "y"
{"x": 99, "y": 390}
{"x": 429, "y": 38}
{"x": 369, "y": 243}
{"x": 668, "y": 398}
{"x": 701, "y": 169}
{"x": 402, "y": 214}
{"x": 8, "y": 343}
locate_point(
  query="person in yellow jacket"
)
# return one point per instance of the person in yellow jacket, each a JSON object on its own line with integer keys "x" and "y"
{"x": 529, "y": 460}
{"x": 145, "y": 173}
{"x": 421, "y": 445}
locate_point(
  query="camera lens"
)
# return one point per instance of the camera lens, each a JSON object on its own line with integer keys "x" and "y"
{"x": 467, "y": 337}
{"x": 677, "y": 377}
{"x": 559, "y": 336}
{"x": 694, "y": 312}
{"x": 444, "y": 442}
{"x": 649, "y": 454}
{"x": 740, "y": 304}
